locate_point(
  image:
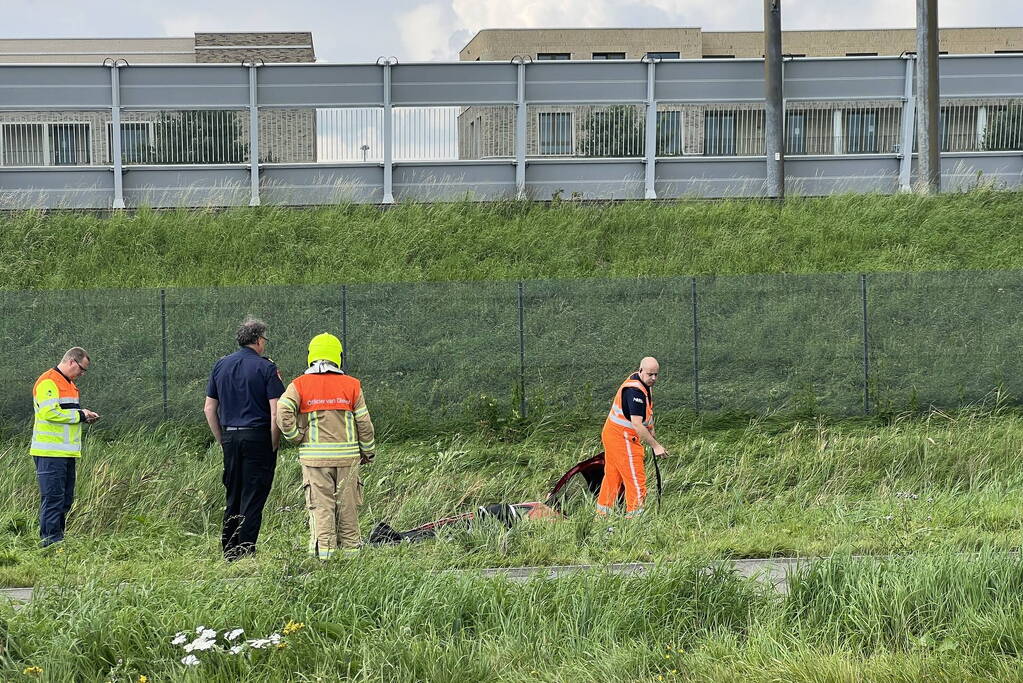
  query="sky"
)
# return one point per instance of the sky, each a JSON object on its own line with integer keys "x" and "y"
{"x": 424, "y": 30}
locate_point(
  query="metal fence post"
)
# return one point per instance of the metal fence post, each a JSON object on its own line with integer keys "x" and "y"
{"x": 163, "y": 336}
{"x": 520, "y": 129}
{"x": 650, "y": 145}
{"x": 388, "y": 197}
{"x": 522, "y": 350}
{"x": 696, "y": 348}
{"x": 866, "y": 347}
{"x": 253, "y": 138}
{"x": 344, "y": 327}
{"x": 115, "y": 134}
{"x": 906, "y": 132}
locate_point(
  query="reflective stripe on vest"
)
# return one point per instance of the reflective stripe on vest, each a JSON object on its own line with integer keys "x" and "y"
{"x": 334, "y": 392}
{"x": 616, "y": 416}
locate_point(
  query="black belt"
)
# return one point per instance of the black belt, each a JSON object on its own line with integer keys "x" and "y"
{"x": 242, "y": 429}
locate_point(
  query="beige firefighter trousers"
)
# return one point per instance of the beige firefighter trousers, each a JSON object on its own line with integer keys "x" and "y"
{"x": 333, "y": 496}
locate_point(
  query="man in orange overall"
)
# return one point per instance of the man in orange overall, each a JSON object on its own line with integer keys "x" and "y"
{"x": 629, "y": 425}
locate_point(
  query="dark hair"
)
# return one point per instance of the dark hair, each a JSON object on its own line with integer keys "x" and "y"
{"x": 250, "y": 331}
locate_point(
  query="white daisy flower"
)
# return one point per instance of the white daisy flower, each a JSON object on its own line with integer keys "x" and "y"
{"x": 231, "y": 635}
{"x": 180, "y": 638}
{"x": 190, "y": 660}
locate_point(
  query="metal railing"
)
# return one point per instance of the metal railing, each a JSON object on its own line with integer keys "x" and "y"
{"x": 321, "y": 133}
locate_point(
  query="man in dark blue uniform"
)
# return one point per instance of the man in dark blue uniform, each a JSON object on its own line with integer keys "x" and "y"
{"x": 241, "y": 409}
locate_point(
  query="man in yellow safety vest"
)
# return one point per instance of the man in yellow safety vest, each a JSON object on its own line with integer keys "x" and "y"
{"x": 57, "y": 440}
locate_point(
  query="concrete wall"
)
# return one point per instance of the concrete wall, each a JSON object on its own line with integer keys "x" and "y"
{"x": 95, "y": 50}
{"x": 693, "y": 43}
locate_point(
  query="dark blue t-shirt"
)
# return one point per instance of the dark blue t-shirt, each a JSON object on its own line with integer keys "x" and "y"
{"x": 634, "y": 400}
{"x": 244, "y": 383}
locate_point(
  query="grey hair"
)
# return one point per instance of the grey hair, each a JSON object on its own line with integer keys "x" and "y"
{"x": 75, "y": 353}
{"x": 250, "y": 331}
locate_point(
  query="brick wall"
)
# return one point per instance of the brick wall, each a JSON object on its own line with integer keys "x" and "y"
{"x": 271, "y": 47}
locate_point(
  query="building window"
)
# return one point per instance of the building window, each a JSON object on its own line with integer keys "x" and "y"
{"x": 553, "y": 56}
{"x": 136, "y": 142}
{"x": 861, "y": 54}
{"x": 861, "y": 132}
{"x": 556, "y": 133}
{"x": 795, "y": 132}
{"x": 1008, "y": 52}
{"x": 719, "y": 56}
{"x": 45, "y": 144}
{"x": 719, "y": 133}
{"x": 609, "y": 55}
{"x": 662, "y": 55}
{"x": 669, "y": 134}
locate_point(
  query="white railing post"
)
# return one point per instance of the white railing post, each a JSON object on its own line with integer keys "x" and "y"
{"x": 388, "y": 198}
{"x": 253, "y": 136}
{"x": 650, "y": 144}
{"x": 906, "y": 132}
{"x": 520, "y": 129}
{"x": 115, "y": 133}
{"x": 981, "y": 127}
{"x": 836, "y": 132}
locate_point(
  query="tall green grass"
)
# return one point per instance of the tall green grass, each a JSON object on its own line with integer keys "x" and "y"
{"x": 353, "y": 244}
{"x": 736, "y": 489}
{"x": 932, "y": 617}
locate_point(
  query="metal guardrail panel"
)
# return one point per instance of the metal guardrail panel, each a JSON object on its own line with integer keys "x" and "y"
{"x": 73, "y": 87}
{"x": 454, "y": 84}
{"x": 170, "y": 187}
{"x": 320, "y": 85}
{"x": 1000, "y": 76}
{"x": 853, "y": 78}
{"x": 315, "y": 185}
{"x": 721, "y": 80}
{"x": 615, "y": 179}
{"x": 86, "y": 188}
{"x": 721, "y": 177}
{"x": 815, "y": 177}
{"x": 184, "y": 87}
{"x": 436, "y": 182}
{"x": 583, "y": 82}
{"x": 960, "y": 173}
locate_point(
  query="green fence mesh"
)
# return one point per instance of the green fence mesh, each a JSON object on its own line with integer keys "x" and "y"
{"x": 838, "y": 344}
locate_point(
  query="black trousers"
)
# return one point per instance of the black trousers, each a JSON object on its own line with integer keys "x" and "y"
{"x": 249, "y": 464}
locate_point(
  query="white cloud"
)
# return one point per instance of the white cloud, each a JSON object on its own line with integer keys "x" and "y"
{"x": 424, "y": 31}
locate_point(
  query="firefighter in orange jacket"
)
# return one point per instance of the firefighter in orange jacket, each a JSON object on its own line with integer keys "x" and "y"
{"x": 629, "y": 425}
{"x": 324, "y": 411}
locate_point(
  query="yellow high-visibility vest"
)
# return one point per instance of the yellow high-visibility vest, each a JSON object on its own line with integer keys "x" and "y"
{"x": 57, "y": 430}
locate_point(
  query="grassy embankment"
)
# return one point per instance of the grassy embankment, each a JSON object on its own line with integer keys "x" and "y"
{"x": 925, "y": 490}
{"x": 854, "y": 233}
{"x": 149, "y": 502}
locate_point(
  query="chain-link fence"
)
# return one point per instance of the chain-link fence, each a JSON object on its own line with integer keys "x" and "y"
{"x": 839, "y": 344}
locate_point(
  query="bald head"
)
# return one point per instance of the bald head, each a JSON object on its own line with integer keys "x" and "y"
{"x": 649, "y": 369}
